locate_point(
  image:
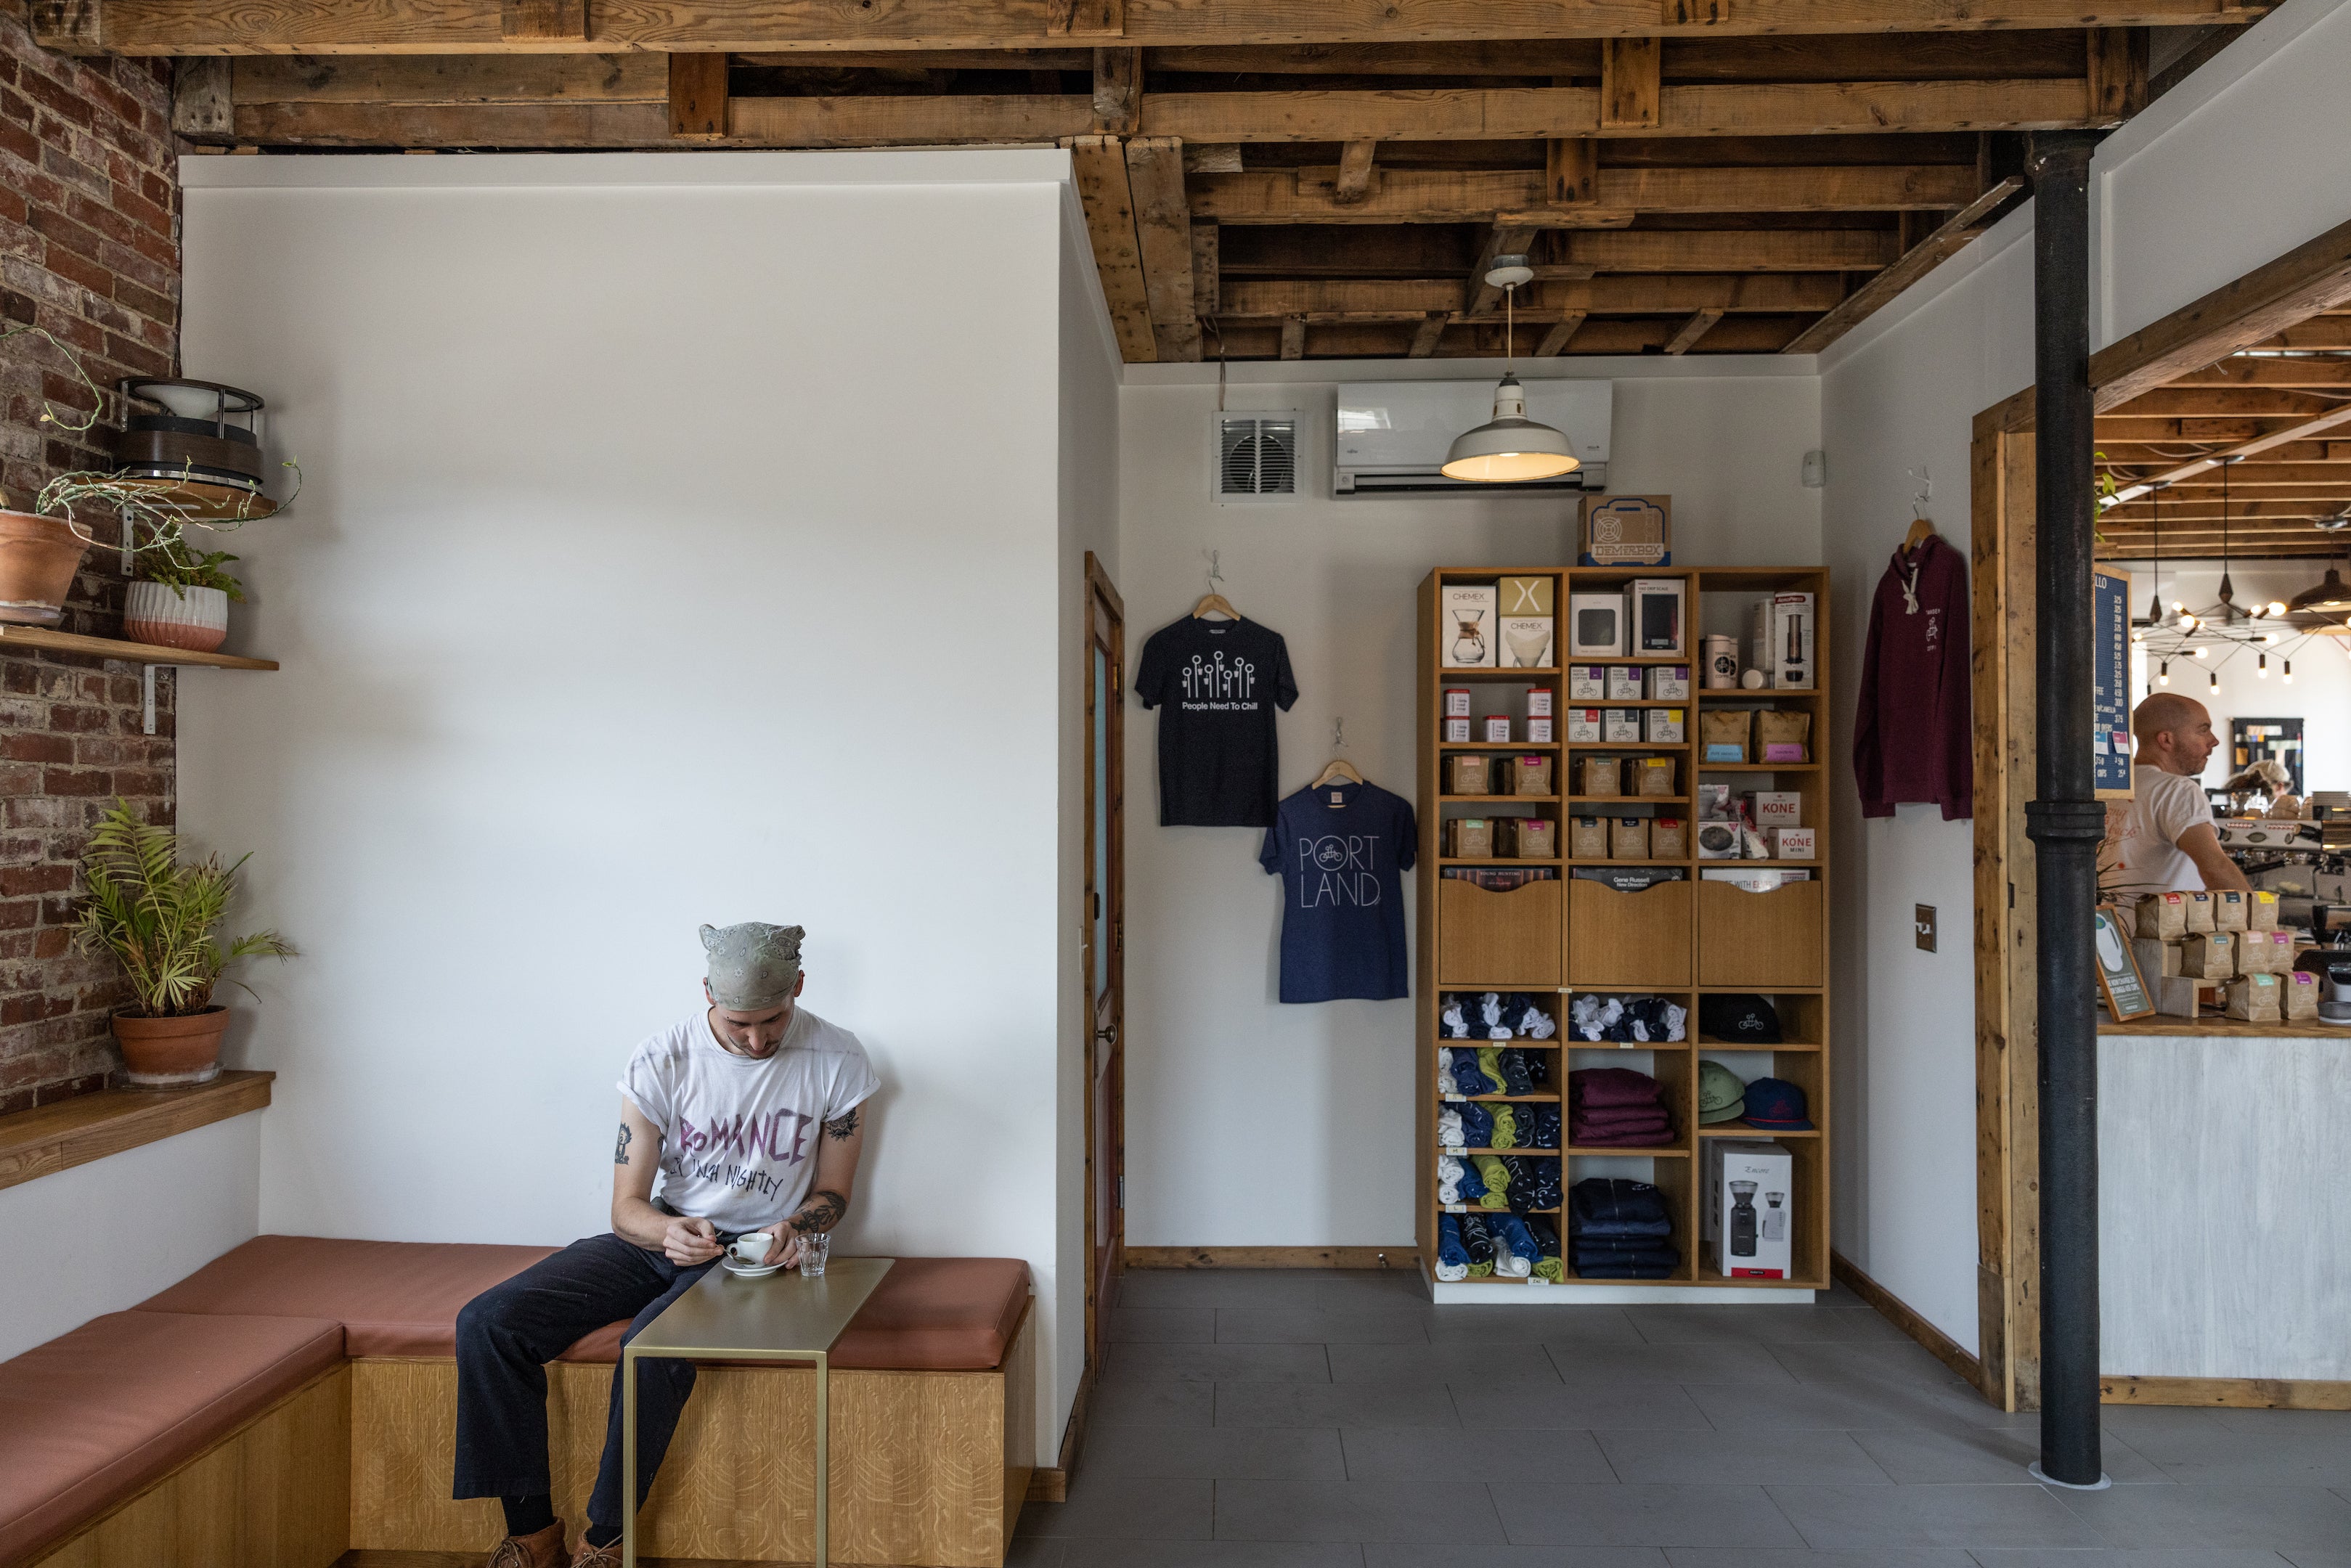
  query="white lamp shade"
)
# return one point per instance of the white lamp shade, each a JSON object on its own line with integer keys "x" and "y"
{"x": 1509, "y": 447}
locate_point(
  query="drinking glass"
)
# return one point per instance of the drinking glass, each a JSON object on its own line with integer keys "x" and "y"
{"x": 813, "y": 1250}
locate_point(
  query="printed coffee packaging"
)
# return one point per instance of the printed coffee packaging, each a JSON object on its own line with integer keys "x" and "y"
{"x": 2261, "y": 912}
{"x": 2163, "y": 916}
{"x": 1472, "y": 838}
{"x": 1621, "y": 725}
{"x": 1530, "y": 776}
{"x": 1628, "y": 838}
{"x": 2229, "y": 910}
{"x": 1583, "y": 727}
{"x": 1469, "y": 775}
{"x": 2255, "y": 999}
{"x": 1603, "y": 775}
{"x": 1722, "y": 734}
{"x": 1525, "y": 838}
{"x": 2265, "y": 953}
{"x": 2211, "y": 957}
{"x": 1587, "y": 683}
{"x": 1623, "y": 683}
{"x": 2200, "y": 912}
{"x": 2156, "y": 960}
{"x": 1587, "y": 838}
{"x": 2298, "y": 995}
{"x": 1654, "y": 775}
{"x": 1782, "y": 737}
{"x": 1669, "y": 840}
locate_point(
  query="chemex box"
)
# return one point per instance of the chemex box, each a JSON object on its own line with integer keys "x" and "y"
{"x": 1626, "y": 531}
{"x": 1466, "y": 628}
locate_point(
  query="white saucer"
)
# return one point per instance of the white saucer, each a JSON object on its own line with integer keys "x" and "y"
{"x": 752, "y": 1271}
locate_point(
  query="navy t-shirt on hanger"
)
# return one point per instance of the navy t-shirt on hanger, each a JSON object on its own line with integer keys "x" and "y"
{"x": 1341, "y": 851}
{"x": 1216, "y": 684}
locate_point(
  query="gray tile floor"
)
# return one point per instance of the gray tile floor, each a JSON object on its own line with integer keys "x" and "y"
{"x": 1311, "y": 1419}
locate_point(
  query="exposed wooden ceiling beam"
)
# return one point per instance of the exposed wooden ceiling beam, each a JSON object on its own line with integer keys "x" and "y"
{"x": 1262, "y": 339}
{"x": 1734, "y": 250}
{"x": 1354, "y": 181}
{"x": 1293, "y": 338}
{"x": 1427, "y": 336}
{"x": 1618, "y": 294}
{"x": 1099, "y": 163}
{"x": 2220, "y": 402}
{"x": 1163, "y": 229}
{"x": 452, "y": 79}
{"x": 1915, "y": 264}
{"x": 697, "y": 96}
{"x": 1699, "y": 324}
{"x": 2303, "y": 430}
{"x": 2314, "y": 276}
{"x": 1449, "y": 196}
{"x": 466, "y": 26}
{"x": 2263, "y": 372}
{"x": 1118, "y": 91}
{"x": 1563, "y": 332}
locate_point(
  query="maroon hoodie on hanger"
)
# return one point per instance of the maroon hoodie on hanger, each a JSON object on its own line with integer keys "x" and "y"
{"x": 1913, "y": 729}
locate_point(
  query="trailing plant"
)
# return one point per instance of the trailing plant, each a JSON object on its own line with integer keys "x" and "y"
{"x": 143, "y": 503}
{"x": 180, "y": 569}
{"x": 158, "y": 916}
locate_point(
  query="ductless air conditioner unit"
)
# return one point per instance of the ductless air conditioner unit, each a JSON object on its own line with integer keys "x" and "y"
{"x": 1393, "y": 435}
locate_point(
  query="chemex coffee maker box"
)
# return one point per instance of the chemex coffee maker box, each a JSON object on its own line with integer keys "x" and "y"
{"x": 1748, "y": 1219}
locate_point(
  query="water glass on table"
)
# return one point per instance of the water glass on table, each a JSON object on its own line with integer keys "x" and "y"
{"x": 813, "y": 1250}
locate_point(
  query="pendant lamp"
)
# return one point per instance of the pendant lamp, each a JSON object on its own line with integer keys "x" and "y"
{"x": 1509, "y": 448}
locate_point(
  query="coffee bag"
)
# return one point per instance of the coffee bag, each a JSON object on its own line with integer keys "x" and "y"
{"x": 2163, "y": 916}
{"x": 1668, "y": 840}
{"x": 1782, "y": 737}
{"x": 1472, "y": 774}
{"x": 2298, "y": 995}
{"x": 1603, "y": 776}
{"x": 1723, "y": 734}
{"x": 2229, "y": 910}
{"x": 2211, "y": 957}
{"x": 2261, "y": 912}
{"x": 1530, "y": 776}
{"x": 2253, "y": 998}
{"x": 1653, "y": 776}
{"x": 1628, "y": 838}
{"x": 1587, "y": 838}
{"x": 2200, "y": 912}
{"x": 1470, "y": 837}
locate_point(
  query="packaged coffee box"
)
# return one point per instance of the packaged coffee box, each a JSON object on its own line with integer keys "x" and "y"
{"x": 1628, "y": 838}
{"x": 1791, "y": 844}
{"x": 1539, "y": 702}
{"x": 2163, "y": 916}
{"x": 2156, "y": 960}
{"x": 1497, "y": 727}
{"x": 1527, "y": 596}
{"x": 1668, "y": 839}
{"x": 1782, "y": 737}
{"x": 1587, "y": 838}
{"x": 1470, "y": 837}
{"x": 2261, "y": 912}
{"x": 1526, "y": 838}
{"x": 2200, "y": 912}
{"x": 1668, "y": 683}
{"x": 1662, "y": 726}
{"x": 2210, "y": 957}
{"x": 1620, "y": 725}
{"x": 1624, "y": 683}
{"x": 1774, "y": 808}
{"x": 2298, "y": 995}
{"x": 1587, "y": 683}
{"x": 1603, "y": 776}
{"x": 1583, "y": 727}
{"x": 1722, "y": 734}
{"x": 1653, "y": 776}
{"x": 1539, "y": 729}
{"x": 2253, "y": 998}
{"x": 1457, "y": 730}
{"x": 2229, "y": 909}
{"x": 1718, "y": 839}
{"x": 1530, "y": 776}
{"x": 1526, "y": 641}
{"x": 1470, "y": 775}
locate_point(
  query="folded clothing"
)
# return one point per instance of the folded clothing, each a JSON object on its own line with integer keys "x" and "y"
{"x": 1452, "y": 1259}
{"x": 1616, "y": 1108}
{"x": 1457, "y": 1181}
{"x": 1477, "y": 1125}
{"x": 1658, "y": 1138}
{"x": 1506, "y": 1126}
{"x": 1627, "y": 1020}
{"x": 1469, "y": 1078}
{"x": 1513, "y": 1065}
{"x": 1544, "y": 1132}
{"x": 1625, "y": 1271}
{"x": 1496, "y": 1176}
{"x": 1611, "y": 1086}
{"x": 1534, "y": 1183}
{"x": 1449, "y": 1132}
{"x": 1477, "y": 1242}
{"x": 1514, "y": 1249}
{"x": 1445, "y": 1074}
{"x": 1615, "y": 1206}
{"x": 1452, "y": 1018}
{"x": 1548, "y": 1263}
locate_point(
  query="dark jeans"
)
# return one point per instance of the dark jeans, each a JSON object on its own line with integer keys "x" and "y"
{"x": 508, "y": 1334}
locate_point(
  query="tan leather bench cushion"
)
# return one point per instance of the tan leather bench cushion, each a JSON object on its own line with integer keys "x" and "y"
{"x": 93, "y": 1418}
{"x": 400, "y": 1298}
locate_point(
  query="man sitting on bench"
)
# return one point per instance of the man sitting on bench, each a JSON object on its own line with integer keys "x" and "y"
{"x": 749, "y": 1109}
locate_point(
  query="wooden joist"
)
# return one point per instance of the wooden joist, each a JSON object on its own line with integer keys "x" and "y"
{"x": 1163, "y": 229}
{"x": 1563, "y": 332}
{"x": 697, "y": 96}
{"x": 1293, "y": 338}
{"x": 1425, "y": 337}
{"x": 1623, "y": 294}
{"x": 1099, "y": 164}
{"x": 524, "y": 23}
{"x": 2314, "y": 276}
{"x": 450, "y": 79}
{"x": 1354, "y": 181}
{"x": 467, "y": 26}
{"x": 1921, "y": 259}
{"x": 1699, "y": 324}
{"x": 1733, "y": 250}
{"x": 1118, "y": 90}
{"x": 1455, "y": 196}
{"x": 1448, "y": 340}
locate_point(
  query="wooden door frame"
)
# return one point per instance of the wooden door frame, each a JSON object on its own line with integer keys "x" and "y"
{"x": 1105, "y": 623}
{"x": 2311, "y": 278}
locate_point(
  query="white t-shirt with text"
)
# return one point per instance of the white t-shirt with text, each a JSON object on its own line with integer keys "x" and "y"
{"x": 738, "y": 1135}
{"x": 2163, "y": 806}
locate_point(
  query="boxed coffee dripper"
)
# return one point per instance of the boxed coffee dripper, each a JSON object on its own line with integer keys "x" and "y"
{"x": 1466, "y": 629}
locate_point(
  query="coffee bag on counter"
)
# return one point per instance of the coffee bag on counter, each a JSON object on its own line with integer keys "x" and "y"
{"x": 2298, "y": 995}
{"x": 2211, "y": 957}
{"x": 2163, "y": 916}
{"x": 2229, "y": 910}
{"x": 2200, "y": 912}
{"x": 2253, "y": 998}
{"x": 2261, "y": 912}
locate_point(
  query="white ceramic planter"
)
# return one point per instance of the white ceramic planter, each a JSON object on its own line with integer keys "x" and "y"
{"x": 152, "y": 612}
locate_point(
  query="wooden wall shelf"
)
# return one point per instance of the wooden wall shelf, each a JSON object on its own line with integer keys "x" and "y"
{"x": 52, "y": 641}
{"x": 48, "y": 1139}
{"x": 1595, "y": 939}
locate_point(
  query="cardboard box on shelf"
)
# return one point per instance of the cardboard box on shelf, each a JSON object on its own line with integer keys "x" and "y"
{"x": 1625, "y": 531}
{"x": 1758, "y": 879}
{"x": 1780, "y": 641}
{"x": 1664, "y": 726}
{"x": 1625, "y": 683}
{"x": 1769, "y": 808}
{"x": 1628, "y": 838}
{"x": 1587, "y": 683}
{"x": 1457, "y": 730}
{"x": 1526, "y": 643}
{"x": 1587, "y": 838}
{"x": 1526, "y": 595}
{"x": 1791, "y": 844}
{"x": 1659, "y": 606}
{"x": 1668, "y": 839}
{"x": 1470, "y": 837}
{"x": 1583, "y": 727}
{"x": 1469, "y": 773}
{"x": 1602, "y": 776}
{"x": 1596, "y": 626}
{"x": 1466, "y": 633}
{"x": 1669, "y": 683}
{"x": 1713, "y": 802}
{"x": 1653, "y": 776}
{"x": 1718, "y": 839}
{"x": 1749, "y": 1214}
{"x": 1620, "y": 725}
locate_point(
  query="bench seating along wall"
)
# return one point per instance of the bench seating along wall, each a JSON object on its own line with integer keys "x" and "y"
{"x": 222, "y": 1422}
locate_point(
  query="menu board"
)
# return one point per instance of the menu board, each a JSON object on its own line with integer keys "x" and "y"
{"x": 2110, "y": 681}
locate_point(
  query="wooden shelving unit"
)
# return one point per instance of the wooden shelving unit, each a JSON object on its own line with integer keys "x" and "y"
{"x": 57, "y": 642}
{"x": 1681, "y": 940}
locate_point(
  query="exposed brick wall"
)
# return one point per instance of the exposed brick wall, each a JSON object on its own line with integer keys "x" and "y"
{"x": 89, "y": 250}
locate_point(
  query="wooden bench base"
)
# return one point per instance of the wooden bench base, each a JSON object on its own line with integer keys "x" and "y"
{"x": 929, "y": 1469}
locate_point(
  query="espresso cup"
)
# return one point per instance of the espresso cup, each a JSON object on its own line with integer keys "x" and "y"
{"x": 752, "y": 1250}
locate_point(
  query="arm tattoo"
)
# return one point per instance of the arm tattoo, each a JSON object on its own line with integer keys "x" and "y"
{"x": 822, "y": 1211}
{"x": 842, "y": 1125}
{"x": 621, "y": 1145}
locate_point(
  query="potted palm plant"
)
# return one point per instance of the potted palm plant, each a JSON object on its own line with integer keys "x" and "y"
{"x": 158, "y": 917}
{"x": 184, "y": 601}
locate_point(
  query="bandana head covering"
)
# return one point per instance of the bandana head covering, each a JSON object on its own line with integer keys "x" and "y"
{"x": 752, "y": 966}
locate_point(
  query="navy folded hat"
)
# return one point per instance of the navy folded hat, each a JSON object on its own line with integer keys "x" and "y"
{"x": 1745, "y": 1018}
{"x": 1777, "y": 1106}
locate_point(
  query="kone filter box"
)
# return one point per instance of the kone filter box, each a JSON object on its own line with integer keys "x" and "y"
{"x": 1750, "y": 1209}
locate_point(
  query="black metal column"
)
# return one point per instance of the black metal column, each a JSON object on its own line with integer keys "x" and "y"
{"x": 2065, "y": 819}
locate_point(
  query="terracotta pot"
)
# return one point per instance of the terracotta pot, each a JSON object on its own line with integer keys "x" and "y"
{"x": 171, "y": 1051}
{"x": 38, "y": 558}
{"x": 152, "y": 612}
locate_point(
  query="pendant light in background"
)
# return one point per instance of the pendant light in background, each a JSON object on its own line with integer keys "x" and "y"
{"x": 1509, "y": 448}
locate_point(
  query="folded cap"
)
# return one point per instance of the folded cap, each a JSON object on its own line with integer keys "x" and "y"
{"x": 1778, "y": 1105}
{"x": 752, "y": 966}
{"x": 1745, "y": 1018}
{"x": 1721, "y": 1097}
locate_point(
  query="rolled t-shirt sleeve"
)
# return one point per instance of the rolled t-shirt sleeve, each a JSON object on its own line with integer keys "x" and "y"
{"x": 2180, "y": 806}
{"x": 852, "y": 1085}
{"x": 644, "y": 1086}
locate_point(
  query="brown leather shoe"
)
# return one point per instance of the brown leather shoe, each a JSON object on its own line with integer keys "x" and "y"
{"x": 597, "y": 1556}
{"x": 541, "y": 1549}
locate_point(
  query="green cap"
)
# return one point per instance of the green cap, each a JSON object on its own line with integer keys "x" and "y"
{"x": 1721, "y": 1097}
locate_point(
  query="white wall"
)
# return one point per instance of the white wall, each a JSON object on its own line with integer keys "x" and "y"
{"x": 2242, "y": 162}
{"x": 1217, "y": 1065}
{"x": 681, "y": 543}
{"x": 104, "y": 1236}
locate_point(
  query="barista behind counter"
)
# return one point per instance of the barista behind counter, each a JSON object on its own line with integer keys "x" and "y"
{"x": 2162, "y": 840}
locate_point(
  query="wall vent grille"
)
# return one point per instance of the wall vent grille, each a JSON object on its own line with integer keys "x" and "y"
{"x": 1257, "y": 456}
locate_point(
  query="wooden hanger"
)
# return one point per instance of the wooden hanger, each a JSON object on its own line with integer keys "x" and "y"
{"x": 1337, "y": 767}
{"x": 1217, "y": 602}
{"x": 1921, "y": 530}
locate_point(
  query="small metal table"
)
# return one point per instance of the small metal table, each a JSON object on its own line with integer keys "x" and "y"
{"x": 780, "y": 1318}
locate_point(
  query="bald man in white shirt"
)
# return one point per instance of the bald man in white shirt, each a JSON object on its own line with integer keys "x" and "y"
{"x": 2164, "y": 841}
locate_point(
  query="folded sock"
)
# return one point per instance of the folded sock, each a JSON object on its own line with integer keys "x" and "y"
{"x": 1506, "y": 1127}
{"x": 1452, "y": 1259}
{"x": 1497, "y": 1178}
{"x": 1477, "y": 1241}
{"x": 1451, "y": 1019}
{"x": 1448, "y": 1129}
{"x": 1477, "y": 1125}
